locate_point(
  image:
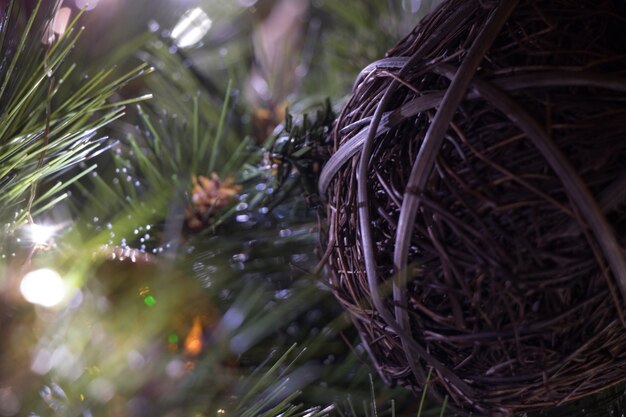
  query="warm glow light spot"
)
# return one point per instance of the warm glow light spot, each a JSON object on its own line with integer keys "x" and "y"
{"x": 191, "y": 28}
{"x": 193, "y": 346}
{"x": 193, "y": 341}
{"x": 44, "y": 287}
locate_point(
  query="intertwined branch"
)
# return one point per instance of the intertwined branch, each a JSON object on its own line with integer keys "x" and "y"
{"x": 476, "y": 203}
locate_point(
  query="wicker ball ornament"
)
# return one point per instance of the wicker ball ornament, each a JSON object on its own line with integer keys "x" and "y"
{"x": 477, "y": 204}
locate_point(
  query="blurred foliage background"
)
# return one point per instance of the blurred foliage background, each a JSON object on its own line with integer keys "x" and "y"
{"x": 158, "y": 177}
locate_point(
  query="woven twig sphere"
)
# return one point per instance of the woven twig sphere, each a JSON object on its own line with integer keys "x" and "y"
{"x": 477, "y": 204}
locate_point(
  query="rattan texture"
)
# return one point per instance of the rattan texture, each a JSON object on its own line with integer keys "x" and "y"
{"x": 476, "y": 203}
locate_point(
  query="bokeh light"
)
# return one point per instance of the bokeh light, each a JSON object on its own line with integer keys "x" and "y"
{"x": 191, "y": 28}
{"x": 9, "y": 402}
{"x": 86, "y": 4}
{"x": 44, "y": 287}
{"x": 149, "y": 301}
{"x": 61, "y": 20}
{"x": 40, "y": 234}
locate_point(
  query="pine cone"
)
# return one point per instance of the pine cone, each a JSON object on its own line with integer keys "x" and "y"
{"x": 208, "y": 196}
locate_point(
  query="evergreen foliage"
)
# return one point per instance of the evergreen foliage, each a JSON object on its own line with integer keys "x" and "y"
{"x": 46, "y": 128}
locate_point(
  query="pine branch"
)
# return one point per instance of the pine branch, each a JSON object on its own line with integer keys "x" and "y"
{"x": 41, "y": 136}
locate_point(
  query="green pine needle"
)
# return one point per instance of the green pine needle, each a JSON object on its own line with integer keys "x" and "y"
{"x": 47, "y": 126}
